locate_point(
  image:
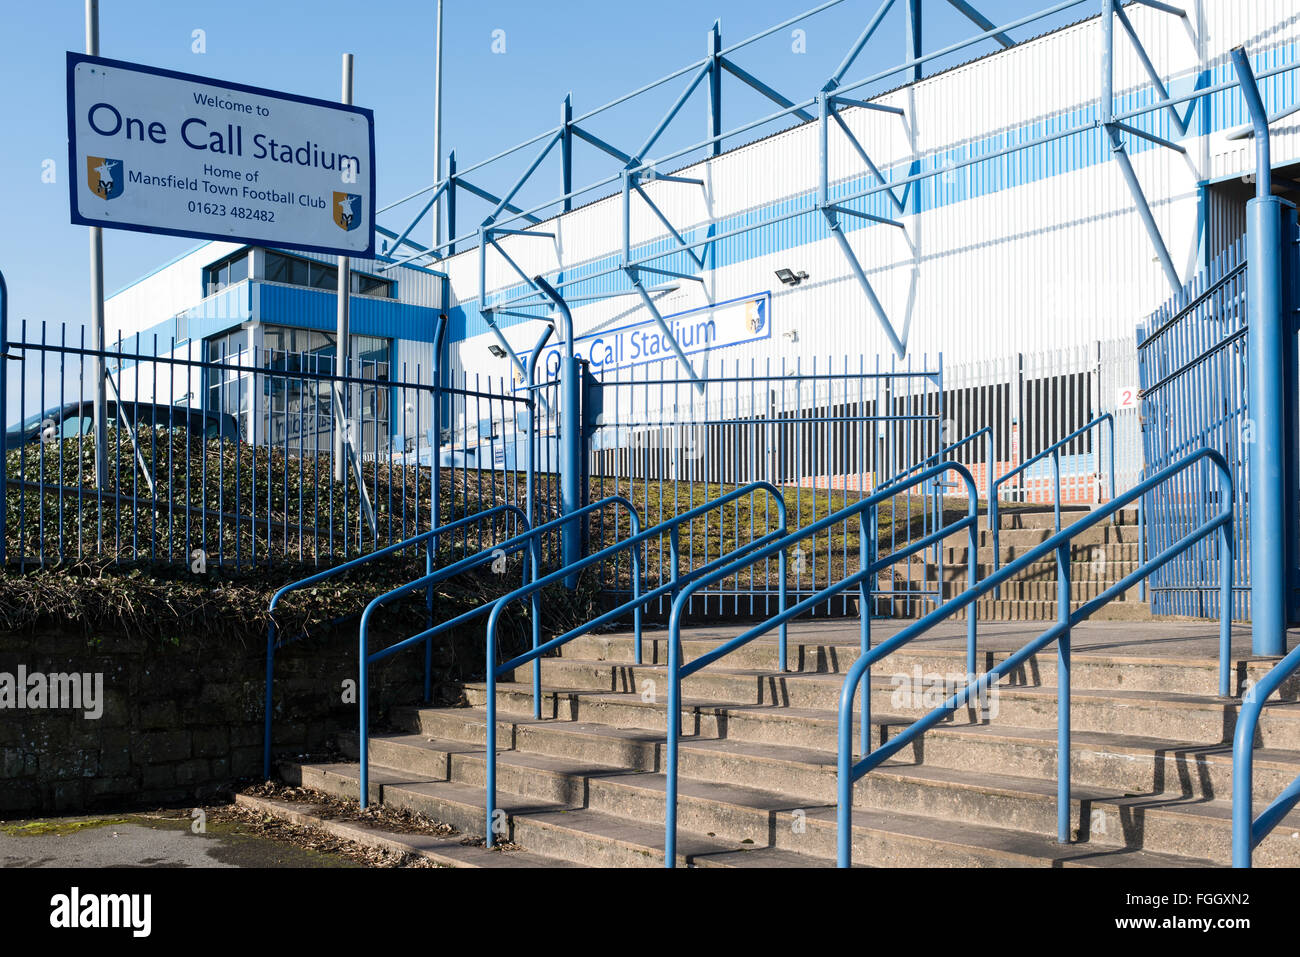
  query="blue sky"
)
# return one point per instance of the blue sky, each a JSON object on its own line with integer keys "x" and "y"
{"x": 492, "y": 100}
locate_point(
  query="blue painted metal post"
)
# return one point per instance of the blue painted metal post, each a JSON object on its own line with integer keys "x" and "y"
{"x": 715, "y": 87}
{"x": 534, "y": 545}
{"x": 972, "y": 579}
{"x": 435, "y": 483}
{"x": 867, "y": 548}
{"x": 1063, "y": 696}
{"x": 451, "y": 202}
{"x": 566, "y": 149}
{"x": 571, "y": 442}
{"x": 674, "y": 733}
{"x": 1267, "y": 377}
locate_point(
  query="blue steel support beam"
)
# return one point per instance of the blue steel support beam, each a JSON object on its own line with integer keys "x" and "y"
{"x": 714, "y": 54}
{"x": 837, "y": 77}
{"x": 681, "y": 241}
{"x": 752, "y": 81}
{"x": 862, "y": 154}
{"x": 672, "y": 112}
{"x": 912, "y": 194}
{"x": 1266, "y": 351}
{"x": 519, "y": 184}
{"x": 601, "y": 145}
{"x": 451, "y": 203}
{"x": 1152, "y": 73}
{"x": 696, "y": 382}
{"x": 481, "y": 193}
{"x": 828, "y": 210}
{"x": 981, "y": 21}
{"x": 1117, "y": 146}
{"x": 913, "y": 47}
{"x": 566, "y": 150}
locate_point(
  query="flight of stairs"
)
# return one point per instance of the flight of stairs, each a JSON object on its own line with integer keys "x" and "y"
{"x": 1151, "y": 759}
{"x": 1100, "y": 556}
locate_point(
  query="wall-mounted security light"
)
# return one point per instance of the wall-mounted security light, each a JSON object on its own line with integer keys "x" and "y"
{"x": 791, "y": 334}
{"x": 790, "y": 277}
{"x": 497, "y": 351}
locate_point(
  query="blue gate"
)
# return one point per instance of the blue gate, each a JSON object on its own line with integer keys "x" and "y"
{"x": 1192, "y": 370}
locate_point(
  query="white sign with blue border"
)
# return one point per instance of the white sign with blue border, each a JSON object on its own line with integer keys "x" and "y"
{"x": 164, "y": 152}
{"x": 705, "y": 329}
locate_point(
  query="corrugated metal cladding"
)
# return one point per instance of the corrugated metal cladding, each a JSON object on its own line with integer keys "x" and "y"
{"x": 1036, "y": 250}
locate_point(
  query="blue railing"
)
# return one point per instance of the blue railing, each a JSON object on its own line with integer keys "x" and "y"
{"x": 518, "y": 542}
{"x": 1054, "y": 451}
{"x": 1247, "y": 830}
{"x": 425, "y": 538}
{"x": 1058, "y": 545}
{"x": 861, "y": 578}
{"x": 673, "y": 588}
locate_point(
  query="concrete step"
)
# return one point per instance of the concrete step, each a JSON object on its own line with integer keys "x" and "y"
{"x": 1095, "y": 554}
{"x": 1039, "y": 590}
{"x": 1045, "y": 611}
{"x": 1109, "y": 571}
{"x": 591, "y": 836}
{"x": 1125, "y": 764}
{"x": 1043, "y": 516}
{"x": 449, "y": 851}
{"x": 1026, "y": 537}
{"x": 1097, "y": 671}
{"x": 769, "y": 776}
{"x": 1197, "y": 719}
{"x": 545, "y": 828}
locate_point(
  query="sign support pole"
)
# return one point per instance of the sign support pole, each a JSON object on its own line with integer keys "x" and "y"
{"x": 97, "y": 338}
{"x": 342, "y": 447}
{"x": 437, "y": 135}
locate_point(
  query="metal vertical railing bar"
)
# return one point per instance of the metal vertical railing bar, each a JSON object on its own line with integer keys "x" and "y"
{"x": 1057, "y": 546}
{"x": 274, "y": 641}
{"x": 244, "y": 493}
{"x": 865, "y": 511}
{"x": 674, "y": 586}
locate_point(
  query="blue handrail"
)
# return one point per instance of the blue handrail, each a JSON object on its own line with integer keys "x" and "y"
{"x": 424, "y": 537}
{"x": 673, "y": 587}
{"x": 866, "y": 570}
{"x": 1247, "y": 830}
{"x": 1054, "y": 450}
{"x": 516, "y": 543}
{"x": 1058, "y": 544}
{"x": 986, "y": 431}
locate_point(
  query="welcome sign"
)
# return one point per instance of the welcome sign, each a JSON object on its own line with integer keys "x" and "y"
{"x": 163, "y": 152}
{"x": 719, "y": 326}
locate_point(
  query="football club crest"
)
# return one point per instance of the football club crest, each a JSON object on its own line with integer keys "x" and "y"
{"x": 347, "y": 211}
{"x": 105, "y": 176}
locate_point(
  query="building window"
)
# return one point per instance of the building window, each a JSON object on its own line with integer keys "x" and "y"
{"x": 225, "y": 273}
{"x": 317, "y": 275}
{"x": 292, "y": 408}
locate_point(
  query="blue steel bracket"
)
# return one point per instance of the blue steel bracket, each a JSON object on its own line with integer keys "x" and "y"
{"x": 1110, "y": 12}
{"x": 826, "y": 108}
